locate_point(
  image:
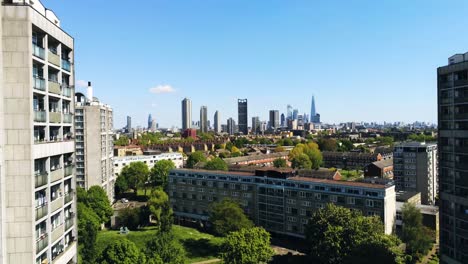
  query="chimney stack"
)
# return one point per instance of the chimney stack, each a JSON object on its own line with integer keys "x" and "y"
{"x": 90, "y": 92}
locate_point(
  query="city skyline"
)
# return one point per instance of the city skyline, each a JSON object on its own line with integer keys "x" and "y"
{"x": 289, "y": 61}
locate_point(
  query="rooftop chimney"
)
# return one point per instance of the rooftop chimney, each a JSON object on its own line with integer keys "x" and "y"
{"x": 90, "y": 92}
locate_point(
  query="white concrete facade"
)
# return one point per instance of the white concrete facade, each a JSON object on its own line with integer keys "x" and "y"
{"x": 150, "y": 160}
{"x": 37, "y": 179}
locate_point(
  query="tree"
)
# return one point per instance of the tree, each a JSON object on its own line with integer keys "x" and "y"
{"x": 301, "y": 161}
{"x": 88, "y": 225}
{"x": 160, "y": 171}
{"x": 235, "y": 149}
{"x": 121, "y": 185}
{"x": 122, "y": 251}
{"x": 311, "y": 150}
{"x": 279, "y": 149}
{"x": 279, "y": 163}
{"x": 385, "y": 250}
{"x": 98, "y": 201}
{"x": 194, "y": 158}
{"x": 166, "y": 249}
{"x": 227, "y": 216}
{"x": 247, "y": 246}
{"x": 160, "y": 209}
{"x": 122, "y": 141}
{"x": 130, "y": 217}
{"x": 417, "y": 237}
{"x": 216, "y": 164}
{"x": 334, "y": 234}
{"x": 136, "y": 174}
{"x": 327, "y": 144}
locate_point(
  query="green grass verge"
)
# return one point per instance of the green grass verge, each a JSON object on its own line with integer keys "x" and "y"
{"x": 199, "y": 246}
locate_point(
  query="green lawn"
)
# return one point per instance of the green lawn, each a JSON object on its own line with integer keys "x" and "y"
{"x": 199, "y": 246}
{"x": 351, "y": 175}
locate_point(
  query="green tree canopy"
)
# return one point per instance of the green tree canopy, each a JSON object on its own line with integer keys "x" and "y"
{"x": 122, "y": 141}
{"x": 334, "y": 234}
{"x": 98, "y": 201}
{"x": 122, "y": 251}
{"x": 301, "y": 161}
{"x": 311, "y": 150}
{"x": 88, "y": 226}
{"x": 247, "y": 246}
{"x": 216, "y": 164}
{"x": 382, "y": 249}
{"x": 194, "y": 158}
{"x": 280, "y": 163}
{"x": 136, "y": 174}
{"x": 160, "y": 172}
{"x": 227, "y": 216}
{"x": 160, "y": 209}
{"x": 166, "y": 249}
{"x": 327, "y": 144}
{"x": 418, "y": 238}
{"x": 120, "y": 185}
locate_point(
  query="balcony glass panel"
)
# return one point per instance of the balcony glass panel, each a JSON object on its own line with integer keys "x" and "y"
{"x": 54, "y": 87}
{"x": 39, "y": 116}
{"x": 39, "y": 83}
{"x": 67, "y": 118}
{"x": 56, "y": 175}
{"x": 40, "y": 179}
{"x": 38, "y": 51}
{"x": 54, "y": 58}
{"x": 56, "y": 204}
{"x": 66, "y": 65}
{"x": 55, "y": 117}
{"x": 41, "y": 243}
{"x": 67, "y": 91}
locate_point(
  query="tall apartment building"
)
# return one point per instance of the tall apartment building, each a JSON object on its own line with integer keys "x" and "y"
{"x": 274, "y": 119}
{"x": 94, "y": 143}
{"x": 231, "y": 126}
{"x": 415, "y": 169}
{"x": 217, "y": 122}
{"x": 255, "y": 125}
{"x": 242, "y": 116}
{"x": 452, "y": 91}
{"x": 278, "y": 200}
{"x": 129, "y": 124}
{"x": 204, "y": 119}
{"x": 186, "y": 114}
{"x": 150, "y": 160}
{"x": 37, "y": 180}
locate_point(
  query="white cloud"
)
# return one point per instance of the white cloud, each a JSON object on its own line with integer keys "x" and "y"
{"x": 162, "y": 88}
{"x": 81, "y": 83}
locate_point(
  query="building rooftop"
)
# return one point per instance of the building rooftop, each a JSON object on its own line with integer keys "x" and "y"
{"x": 321, "y": 173}
{"x": 383, "y": 163}
{"x": 255, "y": 157}
{"x": 415, "y": 144}
{"x": 344, "y": 183}
{"x": 425, "y": 209}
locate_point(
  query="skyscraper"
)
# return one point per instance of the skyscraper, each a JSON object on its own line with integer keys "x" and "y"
{"x": 312, "y": 107}
{"x": 289, "y": 112}
{"x": 217, "y": 122}
{"x": 314, "y": 116}
{"x": 255, "y": 125}
{"x": 129, "y": 124}
{"x": 283, "y": 120}
{"x": 274, "y": 119}
{"x": 186, "y": 114}
{"x": 453, "y": 158}
{"x": 242, "y": 111}
{"x": 295, "y": 114}
{"x": 231, "y": 126}
{"x": 37, "y": 148}
{"x": 203, "y": 119}
{"x": 150, "y": 120}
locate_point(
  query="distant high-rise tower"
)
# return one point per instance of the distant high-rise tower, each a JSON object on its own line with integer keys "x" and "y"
{"x": 231, "y": 126}
{"x": 217, "y": 122}
{"x": 255, "y": 125}
{"x": 314, "y": 116}
{"x": 242, "y": 111}
{"x": 312, "y": 107}
{"x": 203, "y": 119}
{"x": 274, "y": 119}
{"x": 295, "y": 114}
{"x": 283, "y": 120}
{"x": 150, "y": 119}
{"x": 289, "y": 112}
{"x": 186, "y": 114}
{"x": 129, "y": 124}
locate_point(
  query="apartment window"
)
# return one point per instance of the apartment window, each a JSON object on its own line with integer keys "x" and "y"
{"x": 302, "y": 194}
{"x": 318, "y": 196}
{"x": 290, "y": 201}
{"x": 371, "y": 213}
{"x": 304, "y": 221}
{"x": 319, "y": 206}
{"x": 245, "y": 187}
{"x": 292, "y": 219}
{"x": 247, "y": 195}
{"x": 235, "y": 194}
{"x": 333, "y": 198}
{"x": 302, "y": 212}
{"x": 306, "y": 203}
{"x": 288, "y": 210}
{"x": 351, "y": 200}
{"x": 370, "y": 203}
{"x": 232, "y": 186}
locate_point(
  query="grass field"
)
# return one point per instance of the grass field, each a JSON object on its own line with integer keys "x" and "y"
{"x": 199, "y": 246}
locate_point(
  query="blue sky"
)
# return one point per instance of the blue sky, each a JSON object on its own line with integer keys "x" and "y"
{"x": 363, "y": 60}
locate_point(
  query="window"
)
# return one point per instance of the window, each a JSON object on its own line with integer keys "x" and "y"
{"x": 333, "y": 198}
{"x": 302, "y": 212}
{"x": 306, "y": 203}
{"x": 319, "y": 206}
{"x": 350, "y": 200}
{"x": 292, "y": 219}
{"x": 288, "y": 210}
{"x": 318, "y": 196}
{"x": 370, "y": 203}
{"x": 290, "y": 201}
{"x": 304, "y": 221}
{"x": 302, "y": 194}
{"x": 244, "y": 187}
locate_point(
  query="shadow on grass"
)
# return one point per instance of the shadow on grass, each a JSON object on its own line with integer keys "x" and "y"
{"x": 200, "y": 248}
{"x": 289, "y": 259}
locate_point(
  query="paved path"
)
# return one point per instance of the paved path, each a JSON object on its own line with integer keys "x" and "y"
{"x": 208, "y": 261}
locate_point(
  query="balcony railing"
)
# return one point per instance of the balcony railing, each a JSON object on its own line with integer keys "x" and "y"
{"x": 69, "y": 223}
{"x": 54, "y": 58}
{"x": 67, "y": 91}
{"x": 461, "y": 116}
{"x": 39, "y": 116}
{"x": 40, "y": 179}
{"x": 56, "y": 204}
{"x": 41, "y": 211}
{"x": 41, "y": 243}
{"x": 56, "y": 175}
{"x": 38, "y": 51}
{"x": 460, "y": 82}
{"x": 69, "y": 197}
{"x": 54, "y": 87}
{"x": 56, "y": 233}
{"x": 39, "y": 83}
{"x": 68, "y": 170}
{"x": 55, "y": 117}
{"x": 66, "y": 65}
{"x": 67, "y": 118}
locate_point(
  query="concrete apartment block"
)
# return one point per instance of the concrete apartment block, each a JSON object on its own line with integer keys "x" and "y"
{"x": 36, "y": 195}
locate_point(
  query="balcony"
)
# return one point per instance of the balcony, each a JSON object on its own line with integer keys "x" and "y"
{"x": 41, "y": 211}
{"x": 54, "y": 58}
{"x": 41, "y": 243}
{"x": 38, "y": 51}
{"x": 55, "y": 117}
{"x": 67, "y": 118}
{"x": 56, "y": 204}
{"x": 56, "y": 175}
{"x": 39, "y": 116}
{"x": 39, "y": 83}
{"x": 460, "y": 82}
{"x": 40, "y": 179}
{"x": 69, "y": 223}
{"x": 461, "y": 116}
{"x": 68, "y": 170}
{"x": 69, "y": 197}
{"x": 66, "y": 65}
{"x": 54, "y": 87}
{"x": 57, "y": 233}
{"x": 67, "y": 91}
